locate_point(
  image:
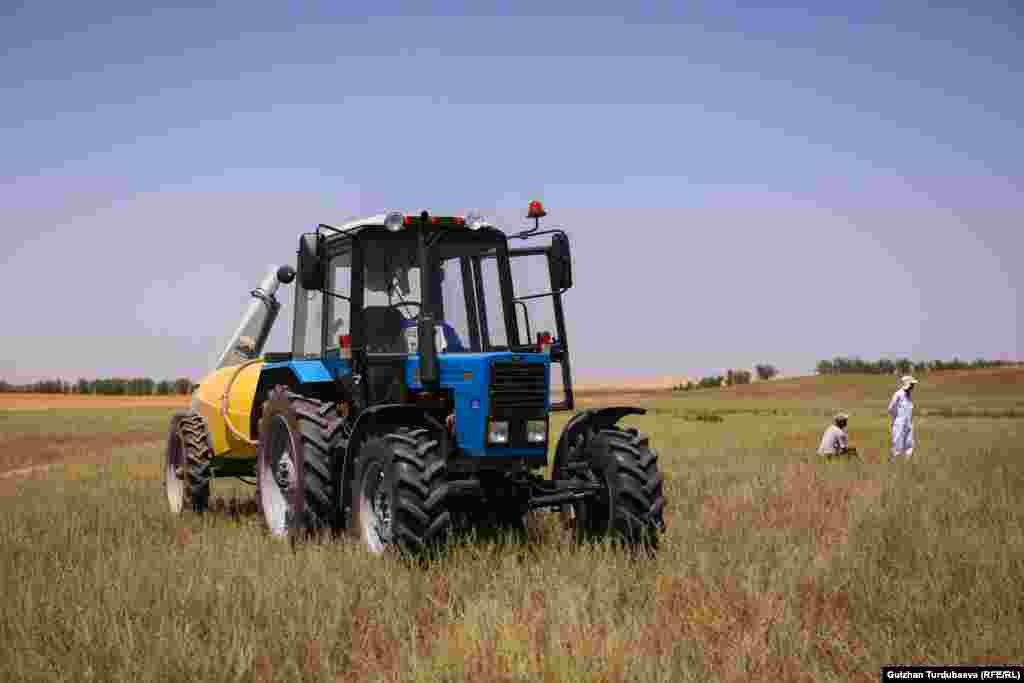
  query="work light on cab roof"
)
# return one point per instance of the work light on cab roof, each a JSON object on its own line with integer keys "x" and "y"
{"x": 393, "y": 221}
{"x": 475, "y": 220}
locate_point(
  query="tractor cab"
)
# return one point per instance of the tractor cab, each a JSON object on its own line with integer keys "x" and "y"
{"x": 406, "y": 309}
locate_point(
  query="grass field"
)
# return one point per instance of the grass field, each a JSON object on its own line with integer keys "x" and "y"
{"x": 774, "y": 567}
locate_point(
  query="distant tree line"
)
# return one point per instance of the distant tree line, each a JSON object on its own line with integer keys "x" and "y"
{"x": 711, "y": 382}
{"x": 847, "y": 366}
{"x": 903, "y": 366}
{"x": 109, "y": 386}
{"x": 730, "y": 378}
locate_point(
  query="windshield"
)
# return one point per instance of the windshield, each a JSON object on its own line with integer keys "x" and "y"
{"x": 393, "y": 300}
{"x": 391, "y": 297}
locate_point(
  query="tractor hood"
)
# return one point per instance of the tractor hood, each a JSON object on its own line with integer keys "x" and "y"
{"x": 493, "y": 385}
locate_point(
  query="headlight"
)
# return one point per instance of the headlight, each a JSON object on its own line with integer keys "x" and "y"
{"x": 537, "y": 431}
{"x": 497, "y": 432}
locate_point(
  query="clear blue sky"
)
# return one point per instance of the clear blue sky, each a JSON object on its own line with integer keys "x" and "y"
{"x": 742, "y": 184}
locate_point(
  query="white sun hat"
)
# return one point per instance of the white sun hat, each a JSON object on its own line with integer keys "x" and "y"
{"x": 907, "y": 381}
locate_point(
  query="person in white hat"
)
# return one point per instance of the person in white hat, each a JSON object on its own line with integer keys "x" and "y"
{"x": 901, "y": 410}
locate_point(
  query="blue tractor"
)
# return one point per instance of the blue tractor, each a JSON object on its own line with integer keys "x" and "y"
{"x": 416, "y": 398}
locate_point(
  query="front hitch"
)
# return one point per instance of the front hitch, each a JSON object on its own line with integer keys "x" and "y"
{"x": 554, "y": 494}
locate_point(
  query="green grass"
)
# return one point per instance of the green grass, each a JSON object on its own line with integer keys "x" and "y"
{"x": 774, "y": 567}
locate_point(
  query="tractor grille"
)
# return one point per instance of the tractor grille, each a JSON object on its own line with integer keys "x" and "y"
{"x": 518, "y": 388}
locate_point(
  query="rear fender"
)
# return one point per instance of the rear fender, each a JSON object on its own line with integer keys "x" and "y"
{"x": 371, "y": 421}
{"x": 585, "y": 425}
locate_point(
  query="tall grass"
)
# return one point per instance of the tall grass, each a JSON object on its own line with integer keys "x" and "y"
{"x": 774, "y": 567}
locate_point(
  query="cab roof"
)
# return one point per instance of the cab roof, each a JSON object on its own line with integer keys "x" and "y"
{"x": 355, "y": 227}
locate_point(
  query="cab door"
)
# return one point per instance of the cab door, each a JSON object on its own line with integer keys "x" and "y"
{"x": 539, "y": 314}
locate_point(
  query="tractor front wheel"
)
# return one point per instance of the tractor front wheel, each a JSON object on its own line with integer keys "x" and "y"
{"x": 293, "y": 476}
{"x": 630, "y": 504}
{"x": 400, "y": 492}
{"x": 187, "y": 464}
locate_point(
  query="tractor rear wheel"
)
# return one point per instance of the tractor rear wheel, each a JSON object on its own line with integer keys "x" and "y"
{"x": 187, "y": 464}
{"x": 630, "y": 505}
{"x": 294, "y": 488}
{"x": 400, "y": 492}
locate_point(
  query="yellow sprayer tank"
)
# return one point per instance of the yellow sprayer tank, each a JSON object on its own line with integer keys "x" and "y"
{"x": 225, "y": 400}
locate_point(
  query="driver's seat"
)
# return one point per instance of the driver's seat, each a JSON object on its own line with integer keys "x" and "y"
{"x": 382, "y": 329}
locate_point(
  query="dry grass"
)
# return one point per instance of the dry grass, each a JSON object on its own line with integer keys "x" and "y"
{"x": 30, "y": 450}
{"x": 35, "y": 439}
{"x": 804, "y": 500}
{"x": 73, "y": 401}
{"x": 774, "y": 567}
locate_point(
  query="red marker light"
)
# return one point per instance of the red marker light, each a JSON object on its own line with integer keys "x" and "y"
{"x": 536, "y": 210}
{"x": 435, "y": 220}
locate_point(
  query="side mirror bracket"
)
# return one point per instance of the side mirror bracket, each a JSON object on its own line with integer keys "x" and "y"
{"x": 310, "y": 261}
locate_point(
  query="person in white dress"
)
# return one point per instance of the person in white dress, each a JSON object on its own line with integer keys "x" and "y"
{"x": 901, "y": 411}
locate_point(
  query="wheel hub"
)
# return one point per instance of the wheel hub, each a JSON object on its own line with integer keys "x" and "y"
{"x": 382, "y": 509}
{"x": 174, "y": 486}
{"x": 284, "y": 473}
{"x": 375, "y": 511}
{"x": 279, "y": 476}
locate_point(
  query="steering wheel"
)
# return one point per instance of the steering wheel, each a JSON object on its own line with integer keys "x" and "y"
{"x": 337, "y": 324}
{"x": 417, "y": 304}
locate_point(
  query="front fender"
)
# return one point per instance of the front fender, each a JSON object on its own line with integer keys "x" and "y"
{"x": 585, "y": 424}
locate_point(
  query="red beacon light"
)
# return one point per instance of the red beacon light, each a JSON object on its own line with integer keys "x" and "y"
{"x": 536, "y": 210}
{"x": 544, "y": 342}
